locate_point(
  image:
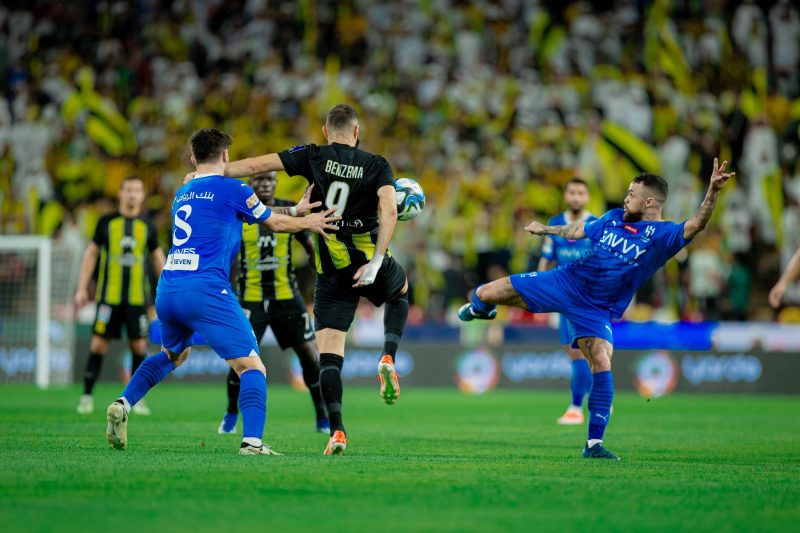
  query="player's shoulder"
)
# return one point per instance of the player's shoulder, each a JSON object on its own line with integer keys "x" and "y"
{"x": 590, "y": 217}
{"x": 557, "y": 220}
{"x": 309, "y": 148}
{"x": 108, "y": 217}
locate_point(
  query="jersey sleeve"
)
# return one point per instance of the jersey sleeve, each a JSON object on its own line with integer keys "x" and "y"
{"x": 295, "y": 161}
{"x": 673, "y": 238}
{"x": 152, "y": 236}
{"x": 385, "y": 174}
{"x": 594, "y": 228}
{"x": 100, "y": 237}
{"x": 247, "y": 205}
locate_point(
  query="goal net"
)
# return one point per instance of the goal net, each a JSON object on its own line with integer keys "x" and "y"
{"x": 37, "y": 327}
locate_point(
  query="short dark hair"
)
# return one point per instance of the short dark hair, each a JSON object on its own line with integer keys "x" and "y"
{"x": 576, "y": 181}
{"x": 341, "y": 116}
{"x": 656, "y": 184}
{"x": 131, "y": 177}
{"x": 269, "y": 175}
{"x": 208, "y": 143}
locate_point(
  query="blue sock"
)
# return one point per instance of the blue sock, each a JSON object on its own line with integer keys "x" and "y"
{"x": 600, "y": 399}
{"x": 478, "y": 304}
{"x": 581, "y": 382}
{"x": 149, "y": 374}
{"x": 253, "y": 403}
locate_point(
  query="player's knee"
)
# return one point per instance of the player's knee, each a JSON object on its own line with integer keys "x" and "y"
{"x": 574, "y": 354}
{"x": 601, "y": 362}
{"x": 178, "y": 358}
{"x": 98, "y": 345}
{"x": 243, "y": 364}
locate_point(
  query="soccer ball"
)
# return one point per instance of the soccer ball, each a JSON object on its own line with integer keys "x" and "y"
{"x": 410, "y": 198}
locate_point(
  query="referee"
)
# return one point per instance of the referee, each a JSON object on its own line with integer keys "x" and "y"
{"x": 123, "y": 242}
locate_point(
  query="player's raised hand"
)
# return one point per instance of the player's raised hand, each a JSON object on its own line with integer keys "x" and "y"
{"x": 305, "y": 206}
{"x": 319, "y": 222}
{"x": 719, "y": 177}
{"x": 536, "y": 228}
{"x": 188, "y": 177}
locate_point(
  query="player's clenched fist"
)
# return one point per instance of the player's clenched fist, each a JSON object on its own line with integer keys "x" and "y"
{"x": 537, "y": 228}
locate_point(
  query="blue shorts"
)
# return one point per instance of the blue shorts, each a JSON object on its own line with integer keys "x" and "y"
{"x": 218, "y": 318}
{"x": 564, "y": 333}
{"x": 551, "y": 292}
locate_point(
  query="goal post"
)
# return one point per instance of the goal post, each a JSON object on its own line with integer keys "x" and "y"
{"x": 37, "y": 329}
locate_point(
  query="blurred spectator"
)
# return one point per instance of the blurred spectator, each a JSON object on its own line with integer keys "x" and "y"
{"x": 492, "y": 106}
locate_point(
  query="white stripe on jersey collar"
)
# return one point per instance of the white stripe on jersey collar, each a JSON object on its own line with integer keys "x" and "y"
{"x": 204, "y": 175}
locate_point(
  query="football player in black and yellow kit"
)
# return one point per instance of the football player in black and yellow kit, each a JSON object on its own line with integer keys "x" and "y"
{"x": 269, "y": 296}
{"x": 123, "y": 242}
{"x": 354, "y": 262}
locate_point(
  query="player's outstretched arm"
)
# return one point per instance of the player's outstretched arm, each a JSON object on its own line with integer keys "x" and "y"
{"x": 792, "y": 273}
{"x": 387, "y": 200}
{"x": 253, "y": 165}
{"x": 316, "y": 222}
{"x": 699, "y": 221}
{"x": 246, "y": 167}
{"x": 572, "y": 231}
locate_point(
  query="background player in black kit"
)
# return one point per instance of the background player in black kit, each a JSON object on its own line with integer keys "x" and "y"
{"x": 269, "y": 296}
{"x": 124, "y": 241}
{"x": 355, "y": 261}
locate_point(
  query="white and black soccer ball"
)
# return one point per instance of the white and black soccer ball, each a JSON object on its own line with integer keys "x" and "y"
{"x": 410, "y": 198}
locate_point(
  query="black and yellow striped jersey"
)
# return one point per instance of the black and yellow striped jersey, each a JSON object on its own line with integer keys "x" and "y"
{"x": 125, "y": 245}
{"x": 347, "y": 179}
{"x": 265, "y": 263}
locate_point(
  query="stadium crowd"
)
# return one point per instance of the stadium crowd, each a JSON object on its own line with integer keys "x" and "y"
{"x": 492, "y": 106}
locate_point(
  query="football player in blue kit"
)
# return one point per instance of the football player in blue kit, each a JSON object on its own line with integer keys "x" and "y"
{"x": 628, "y": 246}
{"x": 194, "y": 292}
{"x": 558, "y": 252}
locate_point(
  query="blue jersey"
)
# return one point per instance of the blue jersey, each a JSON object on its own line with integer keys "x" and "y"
{"x": 564, "y": 251}
{"x": 623, "y": 256}
{"x": 207, "y": 215}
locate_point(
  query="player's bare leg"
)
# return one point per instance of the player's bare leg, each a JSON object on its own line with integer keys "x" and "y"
{"x": 149, "y": 374}
{"x": 331, "y": 359}
{"x": 252, "y": 403}
{"x": 98, "y": 348}
{"x": 573, "y": 416}
{"x": 598, "y": 352}
{"x": 138, "y": 353}
{"x": 394, "y": 321}
{"x": 487, "y": 297}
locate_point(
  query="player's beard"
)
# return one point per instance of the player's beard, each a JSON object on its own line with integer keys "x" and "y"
{"x": 627, "y": 216}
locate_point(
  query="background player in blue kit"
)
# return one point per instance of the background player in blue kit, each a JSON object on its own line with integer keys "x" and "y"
{"x": 628, "y": 246}
{"x": 194, "y": 292}
{"x": 557, "y": 252}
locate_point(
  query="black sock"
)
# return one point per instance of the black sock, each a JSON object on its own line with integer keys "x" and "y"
{"x": 234, "y": 385}
{"x": 395, "y": 314}
{"x": 93, "y": 367}
{"x": 310, "y": 368}
{"x": 330, "y": 381}
{"x": 136, "y": 360}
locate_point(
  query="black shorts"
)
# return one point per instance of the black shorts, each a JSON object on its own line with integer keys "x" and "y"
{"x": 109, "y": 320}
{"x": 288, "y": 319}
{"x": 336, "y": 300}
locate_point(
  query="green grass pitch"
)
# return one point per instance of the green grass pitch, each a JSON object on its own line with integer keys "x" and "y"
{"x": 436, "y": 461}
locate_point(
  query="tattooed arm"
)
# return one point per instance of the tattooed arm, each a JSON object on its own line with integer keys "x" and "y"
{"x": 698, "y": 222}
{"x": 572, "y": 231}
